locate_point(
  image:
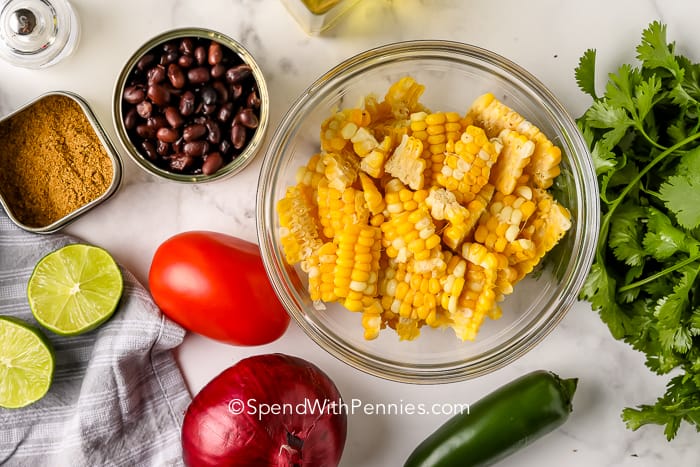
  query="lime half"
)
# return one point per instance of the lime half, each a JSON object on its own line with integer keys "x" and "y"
{"x": 26, "y": 364}
{"x": 75, "y": 289}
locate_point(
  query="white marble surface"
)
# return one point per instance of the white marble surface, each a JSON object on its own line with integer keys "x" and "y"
{"x": 545, "y": 36}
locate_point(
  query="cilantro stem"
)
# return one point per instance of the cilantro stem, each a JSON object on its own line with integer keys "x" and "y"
{"x": 605, "y": 221}
{"x": 661, "y": 273}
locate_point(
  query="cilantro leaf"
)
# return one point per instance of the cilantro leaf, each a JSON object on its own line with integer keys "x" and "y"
{"x": 681, "y": 192}
{"x": 625, "y": 238}
{"x": 662, "y": 239}
{"x": 656, "y": 52}
{"x": 585, "y": 73}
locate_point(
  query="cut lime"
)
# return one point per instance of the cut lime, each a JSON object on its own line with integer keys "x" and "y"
{"x": 75, "y": 289}
{"x": 26, "y": 364}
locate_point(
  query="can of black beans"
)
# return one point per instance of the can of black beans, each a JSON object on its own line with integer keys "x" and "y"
{"x": 191, "y": 105}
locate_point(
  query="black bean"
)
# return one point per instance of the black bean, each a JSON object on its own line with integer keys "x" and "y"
{"x": 158, "y": 94}
{"x": 253, "y": 100}
{"x": 134, "y": 94}
{"x": 131, "y": 119}
{"x": 238, "y": 135}
{"x": 200, "y": 55}
{"x": 172, "y": 115}
{"x": 187, "y": 103}
{"x": 156, "y": 74}
{"x": 225, "y": 147}
{"x": 212, "y": 163}
{"x": 198, "y": 75}
{"x": 163, "y": 148}
{"x": 144, "y": 109}
{"x": 187, "y": 46}
{"x": 150, "y": 149}
{"x": 247, "y": 118}
{"x": 215, "y": 53}
{"x": 225, "y": 112}
{"x": 194, "y": 132}
{"x": 218, "y": 70}
{"x": 238, "y": 73}
{"x": 176, "y": 76}
{"x": 236, "y": 91}
{"x": 196, "y": 148}
{"x": 146, "y": 132}
{"x": 185, "y": 61}
{"x": 180, "y": 162}
{"x": 208, "y": 95}
{"x": 145, "y": 61}
{"x": 167, "y": 135}
{"x": 213, "y": 132}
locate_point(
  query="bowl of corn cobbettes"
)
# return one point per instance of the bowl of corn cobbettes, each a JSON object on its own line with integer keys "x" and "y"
{"x": 427, "y": 211}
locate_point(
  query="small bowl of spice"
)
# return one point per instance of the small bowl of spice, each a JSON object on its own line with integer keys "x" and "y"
{"x": 191, "y": 105}
{"x": 56, "y": 162}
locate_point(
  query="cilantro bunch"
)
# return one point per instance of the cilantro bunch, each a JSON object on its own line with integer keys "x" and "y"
{"x": 644, "y": 136}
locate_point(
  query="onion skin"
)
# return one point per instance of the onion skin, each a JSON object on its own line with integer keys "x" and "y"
{"x": 213, "y": 435}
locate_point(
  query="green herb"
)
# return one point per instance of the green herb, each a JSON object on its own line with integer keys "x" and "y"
{"x": 644, "y": 136}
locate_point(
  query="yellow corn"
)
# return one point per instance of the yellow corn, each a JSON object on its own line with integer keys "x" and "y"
{"x": 312, "y": 172}
{"x": 502, "y": 222}
{"x": 363, "y": 142}
{"x": 321, "y": 275}
{"x": 410, "y": 233}
{"x": 337, "y": 129}
{"x": 544, "y": 229}
{"x": 403, "y": 97}
{"x": 492, "y": 115}
{"x": 337, "y": 209}
{"x": 515, "y": 155}
{"x": 468, "y": 164}
{"x": 299, "y": 228}
{"x": 373, "y": 162}
{"x": 478, "y": 297}
{"x": 372, "y": 320}
{"x": 407, "y": 163}
{"x": 452, "y": 282}
{"x": 373, "y": 197}
{"x": 341, "y": 168}
{"x": 357, "y": 264}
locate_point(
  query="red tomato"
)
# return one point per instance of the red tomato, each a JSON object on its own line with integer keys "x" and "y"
{"x": 215, "y": 285}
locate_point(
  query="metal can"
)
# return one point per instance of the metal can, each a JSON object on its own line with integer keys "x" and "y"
{"x": 104, "y": 142}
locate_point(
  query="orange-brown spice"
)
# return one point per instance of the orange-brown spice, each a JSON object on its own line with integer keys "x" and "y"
{"x": 51, "y": 161}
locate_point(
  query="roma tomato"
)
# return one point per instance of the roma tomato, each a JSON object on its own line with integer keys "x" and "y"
{"x": 215, "y": 285}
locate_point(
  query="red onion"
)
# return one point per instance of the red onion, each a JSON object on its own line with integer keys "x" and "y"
{"x": 271, "y": 410}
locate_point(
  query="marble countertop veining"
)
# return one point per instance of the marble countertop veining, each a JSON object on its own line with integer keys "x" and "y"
{"x": 545, "y": 36}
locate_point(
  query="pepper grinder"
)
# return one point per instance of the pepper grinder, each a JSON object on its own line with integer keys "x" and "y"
{"x": 37, "y": 33}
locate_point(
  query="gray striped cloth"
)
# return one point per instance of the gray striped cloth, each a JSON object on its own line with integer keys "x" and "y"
{"x": 118, "y": 397}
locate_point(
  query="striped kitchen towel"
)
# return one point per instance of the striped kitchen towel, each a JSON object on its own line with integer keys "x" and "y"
{"x": 117, "y": 398}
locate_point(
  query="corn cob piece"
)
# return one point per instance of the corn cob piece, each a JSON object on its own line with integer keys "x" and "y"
{"x": 409, "y": 234}
{"x": 373, "y": 197}
{"x": 337, "y": 129}
{"x": 403, "y": 97}
{"x": 357, "y": 265}
{"x": 299, "y": 228}
{"x": 363, "y": 142}
{"x": 492, "y": 115}
{"x": 312, "y": 172}
{"x": 341, "y": 168}
{"x": 321, "y": 273}
{"x": 478, "y": 297}
{"x": 468, "y": 164}
{"x": 544, "y": 229}
{"x": 407, "y": 163}
{"x": 339, "y": 208}
{"x": 501, "y": 224}
{"x": 379, "y": 111}
{"x": 461, "y": 220}
{"x": 515, "y": 155}
{"x": 372, "y": 321}
{"x": 452, "y": 282}
{"x": 373, "y": 163}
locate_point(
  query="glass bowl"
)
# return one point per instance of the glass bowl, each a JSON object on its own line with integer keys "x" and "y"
{"x": 454, "y": 74}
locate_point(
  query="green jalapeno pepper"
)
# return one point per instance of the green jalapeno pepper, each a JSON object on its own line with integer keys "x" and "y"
{"x": 504, "y": 421}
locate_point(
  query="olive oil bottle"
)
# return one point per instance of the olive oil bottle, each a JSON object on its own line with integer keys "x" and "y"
{"x": 315, "y": 16}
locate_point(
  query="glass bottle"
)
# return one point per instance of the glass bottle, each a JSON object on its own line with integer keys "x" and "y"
{"x": 315, "y": 16}
{"x": 37, "y": 33}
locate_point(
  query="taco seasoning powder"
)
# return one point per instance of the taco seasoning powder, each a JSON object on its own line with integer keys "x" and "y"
{"x": 51, "y": 161}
